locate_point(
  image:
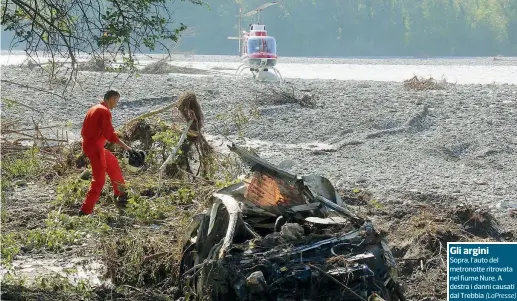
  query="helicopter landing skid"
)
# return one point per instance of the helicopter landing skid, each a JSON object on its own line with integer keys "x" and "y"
{"x": 256, "y": 71}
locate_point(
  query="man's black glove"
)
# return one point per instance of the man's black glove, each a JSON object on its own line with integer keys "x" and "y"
{"x": 136, "y": 157}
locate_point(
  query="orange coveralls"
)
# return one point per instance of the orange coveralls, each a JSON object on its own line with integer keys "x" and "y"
{"x": 97, "y": 128}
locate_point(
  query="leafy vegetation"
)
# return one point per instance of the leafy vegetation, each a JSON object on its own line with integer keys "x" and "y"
{"x": 21, "y": 167}
{"x": 71, "y": 192}
{"x": 139, "y": 246}
{"x": 55, "y": 287}
{"x": 100, "y": 28}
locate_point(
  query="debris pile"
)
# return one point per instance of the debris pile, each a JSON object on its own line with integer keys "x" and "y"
{"x": 95, "y": 64}
{"x": 162, "y": 66}
{"x": 513, "y": 212}
{"x": 284, "y": 95}
{"x": 421, "y": 84}
{"x": 277, "y": 236}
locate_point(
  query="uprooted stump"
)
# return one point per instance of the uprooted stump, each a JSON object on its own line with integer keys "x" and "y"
{"x": 190, "y": 109}
{"x": 421, "y": 84}
{"x": 142, "y": 131}
{"x": 477, "y": 221}
{"x": 151, "y": 134}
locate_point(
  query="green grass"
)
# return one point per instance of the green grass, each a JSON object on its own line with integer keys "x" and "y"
{"x": 60, "y": 230}
{"x": 71, "y": 192}
{"x": 134, "y": 252}
{"x": 22, "y": 167}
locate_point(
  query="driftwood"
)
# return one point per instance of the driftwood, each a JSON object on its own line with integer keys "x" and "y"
{"x": 152, "y": 113}
{"x": 33, "y": 88}
{"x": 284, "y": 96}
{"x": 12, "y": 136}
{"x": 421, "y": 84}
{"x": 513, "y": 212}
{"x": 176, "y": 148}
{"x": 139, "y": 129}
{"x": 190, "y": 109}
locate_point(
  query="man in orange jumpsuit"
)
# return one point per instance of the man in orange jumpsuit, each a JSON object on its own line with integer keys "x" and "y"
{"x": 97, "y": 129}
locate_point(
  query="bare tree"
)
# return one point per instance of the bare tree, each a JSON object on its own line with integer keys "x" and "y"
{"x": 99, "y": 28}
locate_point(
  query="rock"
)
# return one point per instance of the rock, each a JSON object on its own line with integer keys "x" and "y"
{"x": 375, "y": 297}
{"x": 507, "y": 204}
{"x": 480, "y": 182}
{"x": 256, "y": 282}
{"x": 361, "y": 180}
{"x": 292, "y": 231}
{"x": 20, "y": 183}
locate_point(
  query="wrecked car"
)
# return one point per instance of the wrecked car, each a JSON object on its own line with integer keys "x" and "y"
{"x": 277, "y": 236}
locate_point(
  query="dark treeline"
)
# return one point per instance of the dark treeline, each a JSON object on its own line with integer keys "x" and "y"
{"x": 362, "y": 27}
{"x": 338, "y": 28}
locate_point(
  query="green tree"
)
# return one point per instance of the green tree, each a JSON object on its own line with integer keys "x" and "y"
{"x": 67, "y": 28}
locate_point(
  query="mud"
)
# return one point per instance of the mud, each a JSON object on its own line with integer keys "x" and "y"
{"x": 418, "y": 233}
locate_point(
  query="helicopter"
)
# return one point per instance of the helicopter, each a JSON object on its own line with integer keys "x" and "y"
{"x": 256, "y": 48}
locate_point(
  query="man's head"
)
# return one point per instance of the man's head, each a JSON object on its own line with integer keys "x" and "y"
{"x": 111, "y": 98}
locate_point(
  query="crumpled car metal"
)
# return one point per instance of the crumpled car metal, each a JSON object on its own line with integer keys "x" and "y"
{"x": 276, "y": 236}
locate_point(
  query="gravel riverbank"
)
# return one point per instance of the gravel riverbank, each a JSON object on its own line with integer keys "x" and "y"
{"x": 402, "y": 145}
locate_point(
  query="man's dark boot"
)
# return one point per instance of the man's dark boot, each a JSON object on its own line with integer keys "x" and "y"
{"x": 81, "y": 213}
{"x": 121, "y": 200}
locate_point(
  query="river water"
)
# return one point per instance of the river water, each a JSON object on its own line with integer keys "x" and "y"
{"x": 477, "y": 70}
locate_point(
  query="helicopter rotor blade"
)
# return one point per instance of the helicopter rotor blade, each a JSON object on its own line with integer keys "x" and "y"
{"x": 260, "y": 8}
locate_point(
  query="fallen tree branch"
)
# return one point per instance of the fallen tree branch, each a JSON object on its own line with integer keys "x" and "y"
{"x": 154, "y": 256}
{"x": 34, "y": 88}
{"x": 41, "y": 128}
{"x": 24, "y": 105}
{"x": 178, "y": 145}
{"x": 152, "y": 113}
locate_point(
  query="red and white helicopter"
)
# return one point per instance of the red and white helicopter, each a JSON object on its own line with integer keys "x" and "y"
{"x": 256, "y": 48}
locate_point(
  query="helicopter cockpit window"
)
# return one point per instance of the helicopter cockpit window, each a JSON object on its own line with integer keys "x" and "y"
{"x": 261, "y": 44}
